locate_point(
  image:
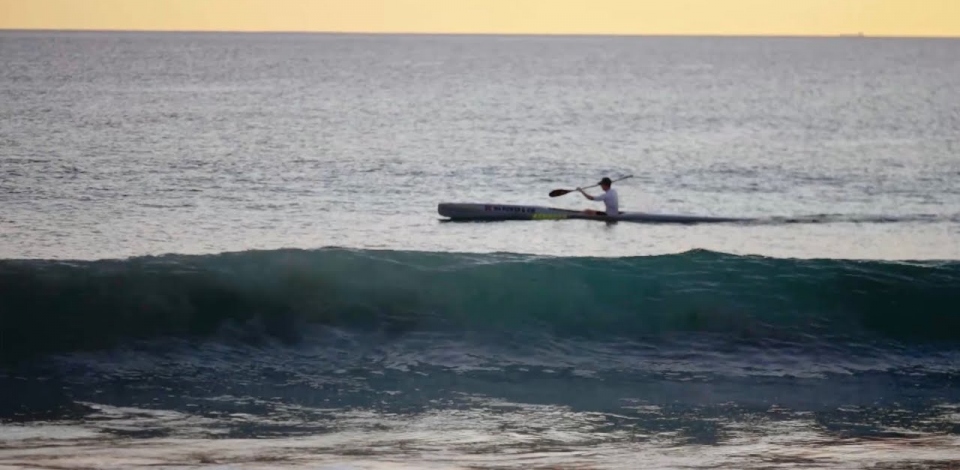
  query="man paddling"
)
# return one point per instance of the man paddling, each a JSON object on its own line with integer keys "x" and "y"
{"x": 609, "y": 198}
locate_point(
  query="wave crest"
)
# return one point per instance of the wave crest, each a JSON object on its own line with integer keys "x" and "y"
{"x": 52, "y": 306}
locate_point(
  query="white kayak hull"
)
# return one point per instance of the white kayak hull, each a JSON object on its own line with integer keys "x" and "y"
{"x": 493, "y": 212}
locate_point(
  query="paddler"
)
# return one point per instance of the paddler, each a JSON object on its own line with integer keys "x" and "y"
{"x": 609, "y": 198}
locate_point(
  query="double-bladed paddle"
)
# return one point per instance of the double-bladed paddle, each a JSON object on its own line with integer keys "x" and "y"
{"x": 561, "y": 192}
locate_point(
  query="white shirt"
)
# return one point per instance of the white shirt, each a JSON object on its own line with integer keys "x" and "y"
{"x": 610, "y": 200}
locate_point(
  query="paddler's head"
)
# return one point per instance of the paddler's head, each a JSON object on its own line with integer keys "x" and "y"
{"x": 605, "y": 183}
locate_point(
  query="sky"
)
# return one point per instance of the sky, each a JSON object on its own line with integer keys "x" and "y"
{"x": 931, "y": 18}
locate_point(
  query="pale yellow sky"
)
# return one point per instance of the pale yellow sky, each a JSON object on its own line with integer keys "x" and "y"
{"x": 654, "y": 17}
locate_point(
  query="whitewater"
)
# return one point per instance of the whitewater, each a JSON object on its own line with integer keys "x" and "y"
{"x": 223, "y": 251}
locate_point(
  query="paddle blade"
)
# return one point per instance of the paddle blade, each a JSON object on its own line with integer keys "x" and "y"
{"x": 560, "y": 192}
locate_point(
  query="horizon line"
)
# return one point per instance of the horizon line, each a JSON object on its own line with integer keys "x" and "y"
{"x": 858, "y": 35}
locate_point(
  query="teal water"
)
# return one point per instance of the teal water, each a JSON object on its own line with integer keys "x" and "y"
{"x": 223, "y": 251}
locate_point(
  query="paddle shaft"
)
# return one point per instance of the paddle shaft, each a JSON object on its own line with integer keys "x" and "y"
{"x": 561, "y": 192}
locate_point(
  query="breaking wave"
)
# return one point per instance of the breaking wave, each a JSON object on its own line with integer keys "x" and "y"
{"x": 53, "y": 306}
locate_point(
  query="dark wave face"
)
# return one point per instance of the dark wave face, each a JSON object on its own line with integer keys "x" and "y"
{"x": 59, "y": 306}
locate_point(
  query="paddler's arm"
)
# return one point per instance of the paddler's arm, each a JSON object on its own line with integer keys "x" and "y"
{"x": 585, "y": 194}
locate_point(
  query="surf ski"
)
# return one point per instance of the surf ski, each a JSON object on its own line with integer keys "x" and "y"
{"x": 456, "y": 211}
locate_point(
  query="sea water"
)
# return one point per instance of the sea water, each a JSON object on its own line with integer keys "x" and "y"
{"x": 223, "y": 251}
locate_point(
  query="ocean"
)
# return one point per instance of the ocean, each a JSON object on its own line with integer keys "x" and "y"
{"x": 223, "y": 251}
